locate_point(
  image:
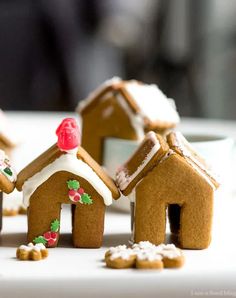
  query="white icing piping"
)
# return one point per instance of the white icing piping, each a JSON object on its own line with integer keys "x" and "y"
{"x": 123, "y": 179}
{"x": 85, "y": 102}
{"x": 69, "y": 163}
{"x": 31, "y": 246}
{"x": 167, "y": 155}
{"x": 200, "y": 172}
{"x": 123, "y": 254}
{"x": 145, "y": 250}
{"x": 192, "y": 160}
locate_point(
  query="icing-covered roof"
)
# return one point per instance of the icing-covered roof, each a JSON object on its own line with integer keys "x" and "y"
{"x": 148, "y": 101}
{"x": 150, "y": 152}
{"x": 153, "y": 150}
{"x": 54, "y": 160}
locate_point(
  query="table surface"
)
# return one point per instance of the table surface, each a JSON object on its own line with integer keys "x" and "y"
{"x": 71, "y": 272}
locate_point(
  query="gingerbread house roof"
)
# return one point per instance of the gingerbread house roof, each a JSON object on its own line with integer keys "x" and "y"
{"x": 152, "y": 151}
{"x": 7, "y": 174}
{"x": 54, "y": 160}
{"x": 141, "y": 100}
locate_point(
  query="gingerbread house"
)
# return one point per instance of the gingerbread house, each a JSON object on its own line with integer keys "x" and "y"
{"x": 169, "y": 175}
{"x": 124, "y": 110}
{"x": 66, "y": 174}
{"x": 7, "y": 179}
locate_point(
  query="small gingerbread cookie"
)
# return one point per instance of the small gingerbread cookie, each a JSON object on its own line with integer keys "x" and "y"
{"x": 149, "y": 260}
{"x": 32, "y": 252}
{"x": 144, "y": 255}
{"x": 120, "y": 258}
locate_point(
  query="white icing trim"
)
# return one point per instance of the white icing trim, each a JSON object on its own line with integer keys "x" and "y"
{"x": 196, "y": 164}
{"x": 145, "y": 250}
{"x": 85, "y": 102}
{"x": 123, "y": 179}
{"x": 31, "y": 246}
{"x": 124, "y": 254}
{"x": 69, "y": 163}
{"x": 167, "y": 155}
{"x": 143, "y": 245}
{"x": 116, "y": 249}
{"x": 200, "y": 172}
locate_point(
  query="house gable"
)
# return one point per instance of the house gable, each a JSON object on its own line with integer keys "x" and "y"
{"x": 54, "y": 160}
{"x": 180, "y": 145}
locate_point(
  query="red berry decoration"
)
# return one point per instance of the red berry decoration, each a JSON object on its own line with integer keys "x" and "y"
{"x": 50, "y": 242}
{"x": 72, "y": 192}
{"x": 68, "y": 134}
{"x": 49, "y": 238}
{"x": 77, "y": 193}
{"x": 76, "y": 198}
{"x": 47, "y": 235}
{"x": 54, "y": 235}
{"x": 80, "y": 190}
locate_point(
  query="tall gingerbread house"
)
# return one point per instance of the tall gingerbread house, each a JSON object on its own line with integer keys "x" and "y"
{"x": 169, "y": 175}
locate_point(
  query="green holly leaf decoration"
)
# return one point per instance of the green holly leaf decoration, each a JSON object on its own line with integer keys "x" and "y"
{"x": 73, "y": 184}
{"x": 55, "y": 225}
{"x": 8, "y": 171}
{"x": 86, "y": 199}
{"x": 40, "y": 239}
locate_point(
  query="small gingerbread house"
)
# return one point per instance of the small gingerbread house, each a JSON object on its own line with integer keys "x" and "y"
{"x": 124, "y": 110}
{"x": 169, "y": 174}
{"x": 66, "y": 174}
{"x": 7, "y": 179}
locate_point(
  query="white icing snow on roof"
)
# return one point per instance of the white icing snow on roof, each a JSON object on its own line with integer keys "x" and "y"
{"x": 70, "y": 163}
{"x": 152, "y": 102}
{"x": 85, "y": 102}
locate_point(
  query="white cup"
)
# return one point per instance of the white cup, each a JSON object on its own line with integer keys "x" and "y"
{"x": 217, "y": 150}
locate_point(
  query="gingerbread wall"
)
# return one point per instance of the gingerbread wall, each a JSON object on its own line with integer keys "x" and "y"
{"x": 45, "y": 206}
{"x": 174, "y": 182}
{"x": 106, "y": 119}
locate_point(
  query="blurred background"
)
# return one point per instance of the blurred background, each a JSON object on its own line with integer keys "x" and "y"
{"x": 54, "y": 52}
